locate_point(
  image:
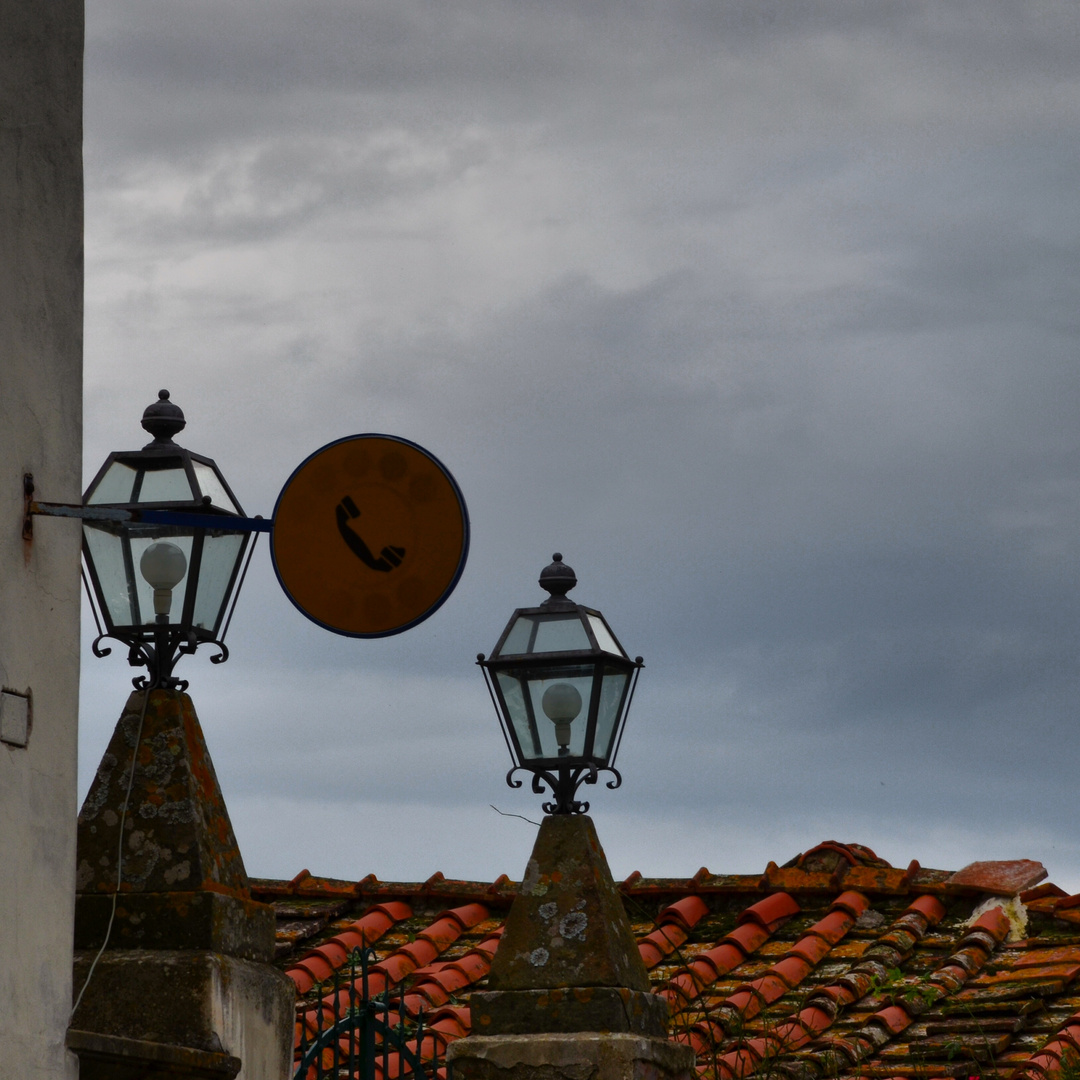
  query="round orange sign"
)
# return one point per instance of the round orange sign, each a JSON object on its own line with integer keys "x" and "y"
{"x": 370, "y": 535}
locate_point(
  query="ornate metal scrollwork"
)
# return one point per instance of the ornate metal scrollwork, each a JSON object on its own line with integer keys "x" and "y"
{"x": 159, "y": 656}
{"x": 563, "y": 785}
{"x": 96, "y": 648}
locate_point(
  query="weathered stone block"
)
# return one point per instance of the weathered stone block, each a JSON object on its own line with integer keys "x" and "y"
{"x": 107, "y": 1057}
{"x": 580, "y": 1056}
{"x": 177, "y": 920}
{"x": 191, "y": 1000}
{"x": 577, "y": 1008}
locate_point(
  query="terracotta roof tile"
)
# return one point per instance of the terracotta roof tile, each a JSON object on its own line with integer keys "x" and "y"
{"x": 833, "y": 927}
{"x": 1048, "y": 889}
{"x": 751, "y": 933}
{"x": 676, "y": 921}
{"x": 1000, "y": 878}
{"x": 433, "y": 988}
{"x": 994, "y": 922}
{"x": 1035, "y": 957}
{"x": 770, "y": 912}
{"x": 687, "y": 912}
{"x": 320, "y": 963}
{"x": 834, "y": 965}
{"x": 392, "y": 969}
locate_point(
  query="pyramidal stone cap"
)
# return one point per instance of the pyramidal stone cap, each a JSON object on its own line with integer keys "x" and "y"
{"x": 182, "y": 878}
{"x": 568, "y": 961}
{"x": 567, "y": 926}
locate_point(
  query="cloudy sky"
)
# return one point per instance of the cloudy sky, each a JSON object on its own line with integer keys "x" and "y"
{"x": 764, "y": 314}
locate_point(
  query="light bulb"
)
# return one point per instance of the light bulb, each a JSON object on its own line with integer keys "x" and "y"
{"x": 163, "y": 565}
{"x": 561, "y": 704}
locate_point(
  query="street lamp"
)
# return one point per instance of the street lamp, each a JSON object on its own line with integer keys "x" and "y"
{"x": 162, "y": 586}
{"x": 561, "y": 684}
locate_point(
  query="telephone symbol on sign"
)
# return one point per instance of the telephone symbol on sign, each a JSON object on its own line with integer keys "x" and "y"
{"x": 390, "y": 556}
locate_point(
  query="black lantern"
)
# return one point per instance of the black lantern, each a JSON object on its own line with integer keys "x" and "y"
{"x": 162, "y": 589}
{"x": 562, "y": 686}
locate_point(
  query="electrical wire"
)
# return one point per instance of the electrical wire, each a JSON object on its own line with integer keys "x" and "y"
{"x": 119, "y": 853}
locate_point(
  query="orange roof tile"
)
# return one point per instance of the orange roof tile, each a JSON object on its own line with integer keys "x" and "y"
{"x": 1000, "y": 878}
{"x": 834, "y": 965}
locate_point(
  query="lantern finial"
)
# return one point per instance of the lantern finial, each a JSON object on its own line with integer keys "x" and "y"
{"x": 163, "y": 419}
{"x": 558, "y": 579}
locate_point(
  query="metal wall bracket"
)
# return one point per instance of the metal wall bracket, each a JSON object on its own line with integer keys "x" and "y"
{"x": 28, "y": 495}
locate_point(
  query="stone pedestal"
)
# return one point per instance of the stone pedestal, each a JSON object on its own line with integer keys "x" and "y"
{"x": 567, "y": 1009}
{"x": 187, "y": 1009}
{"x": 109, "y": 1057}
{"x": 184, "y": 988}
{"x": 568, "y": 995}
{"x": 584, "y": 1055}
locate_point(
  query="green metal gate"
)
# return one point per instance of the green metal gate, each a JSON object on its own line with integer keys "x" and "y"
{"x": 363, "y": 1040}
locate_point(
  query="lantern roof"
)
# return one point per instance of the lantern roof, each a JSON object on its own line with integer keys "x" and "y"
{"x": 558, "y": 625}
{"x": 162, "y": 474}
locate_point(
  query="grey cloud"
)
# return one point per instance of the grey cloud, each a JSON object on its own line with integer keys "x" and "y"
{"x": 764, "y": 316}
{"x": 166, "y": 79}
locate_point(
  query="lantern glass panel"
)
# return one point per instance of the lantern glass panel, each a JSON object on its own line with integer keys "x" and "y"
{"x": 512, "y": 692}
{"x": 115, "y": 485}
{"x": 219, "y": 559}
{"x": 107, "y": 557}
{"x": 145, "y": 593}
{"x": 523, "y": 696}
{"x": 604, "y": 637}
{"x": 583, "y": 684}
{"x": 210, "y": 484}
{"x": 612, "y": 692}
{"x": 545, "y": 633}
{"x": 561, "y": 633}
{"x": 165, "y": 485}
{"x": 517, "y": 641}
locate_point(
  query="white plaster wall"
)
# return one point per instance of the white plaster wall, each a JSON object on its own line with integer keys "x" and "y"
{"x": 40, "y": 432}
{"x": 253, "y": 1010}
